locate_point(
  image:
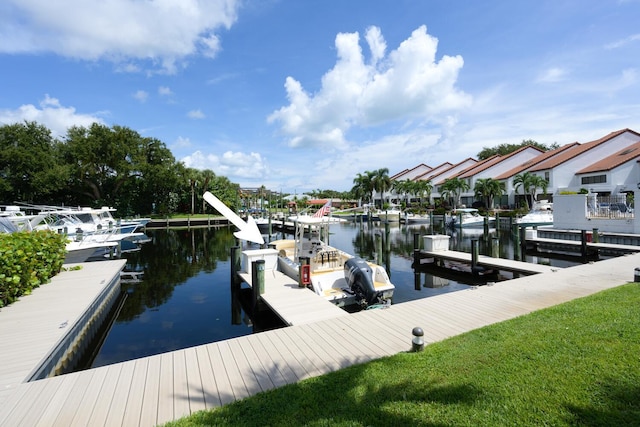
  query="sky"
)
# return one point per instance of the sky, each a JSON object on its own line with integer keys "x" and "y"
{"x": 302, "y": 95}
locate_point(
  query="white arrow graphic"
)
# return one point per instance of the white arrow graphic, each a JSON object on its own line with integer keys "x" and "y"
{"x": 248, "y": 230}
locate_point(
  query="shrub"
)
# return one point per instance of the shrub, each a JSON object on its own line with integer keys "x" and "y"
{"x": 28, "y": 260}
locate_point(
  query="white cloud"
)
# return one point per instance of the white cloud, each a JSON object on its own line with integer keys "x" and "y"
{"x": 552, "y": 75}
{"x": 234, "y": 165}
{"x": 164, "y": 91}
{"x": 182, "y": 142}
{"x": 623, "y": 42}
{"x": 122, "y": 31}
{"x": 407, "y": 85}
{"x": 141, "y": 96}
{"x": 51, "y": 114}
{"x": 196, "y": 114}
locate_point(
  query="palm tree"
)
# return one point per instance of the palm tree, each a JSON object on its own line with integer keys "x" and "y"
{"x": 362, "y": 187}
{"x": 403, "y": 188}
{"x": 530, "y": 184}
{"x": 453, "y": 188}
{"x": 488, "y": 188}
{"x": 381, "y": 182}
{"x": 422, "y": 188}
{"x": 207, "y": 178}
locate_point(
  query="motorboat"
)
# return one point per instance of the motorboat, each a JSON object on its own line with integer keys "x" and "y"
{"x": 540, "y": 214}
{"x": 392, "y": 214}
{"x": 411, "y": 218}
{"x": 339, "y": 277}
{"x": 77, "y": 250}
{"x": 468, "y": 217}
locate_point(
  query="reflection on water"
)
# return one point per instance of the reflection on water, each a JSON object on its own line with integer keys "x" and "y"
{"x": 184, "y": 298}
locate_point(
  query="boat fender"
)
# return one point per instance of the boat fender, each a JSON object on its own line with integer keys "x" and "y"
{"x": 359, "y": 277}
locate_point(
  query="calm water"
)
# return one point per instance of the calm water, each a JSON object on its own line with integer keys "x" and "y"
{"x": 185, "y": 296}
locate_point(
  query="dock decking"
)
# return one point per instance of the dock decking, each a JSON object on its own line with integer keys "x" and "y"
{"x": 293, "y": 304}
{"x": 490, "y": 262}
{"x": 35, "y": 325}
{"x": 161, "y": 388}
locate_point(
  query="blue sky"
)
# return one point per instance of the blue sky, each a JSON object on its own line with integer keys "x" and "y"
{"x": 300, "y": 95}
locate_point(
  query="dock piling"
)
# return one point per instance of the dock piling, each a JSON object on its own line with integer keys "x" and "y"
{"x": 257, "y": 282}
{"x": 495, "y": 247}
{"x": 474, "y": 255}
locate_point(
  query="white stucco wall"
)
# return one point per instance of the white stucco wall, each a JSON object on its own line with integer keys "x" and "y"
{"x": 570, "y": 213}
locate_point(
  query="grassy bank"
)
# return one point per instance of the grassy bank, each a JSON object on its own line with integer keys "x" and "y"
{"x": 573, "y": 364}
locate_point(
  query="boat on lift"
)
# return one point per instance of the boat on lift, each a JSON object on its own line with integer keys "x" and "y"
{"x": 339, "y": 277}
{"x": 468, "y": 217}
{"x": 541, "y": 214}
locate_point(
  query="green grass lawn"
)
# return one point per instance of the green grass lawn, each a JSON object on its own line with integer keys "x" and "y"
{"x": 574, "y": 364}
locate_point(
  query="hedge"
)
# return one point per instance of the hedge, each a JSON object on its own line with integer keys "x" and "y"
{"x": 28, "y": 260}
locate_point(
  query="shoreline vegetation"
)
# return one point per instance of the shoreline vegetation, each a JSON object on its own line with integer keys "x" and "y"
{"x": 573, "y": 364}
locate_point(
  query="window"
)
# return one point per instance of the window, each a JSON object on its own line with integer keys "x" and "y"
{"x": 596, "y": 179}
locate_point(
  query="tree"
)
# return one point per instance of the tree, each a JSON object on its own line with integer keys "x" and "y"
{"x": 363, "y": 186}
{"x": 421, "y": 188}
{"x": 530, "y": 184}
{"x": 103, "y": 160}
{"x": 503, "y": 149}
{"x": 488, "y": 189}
{"x": 403, "y": 188}
{"x": 381, "y": 182}
{"x": 30, "y": 170}
{"x": 453, "y": 188}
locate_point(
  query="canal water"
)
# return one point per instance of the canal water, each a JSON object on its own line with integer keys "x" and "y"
{"x": 183, "y": 296}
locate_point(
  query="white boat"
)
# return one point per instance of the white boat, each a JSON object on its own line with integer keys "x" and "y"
{"x": 393, "y": 214}
{"x": 540, "y": 214}
{"x": 411, "y": 218}
{"x": 468, "y": 217}
{"x": 76, "y": 250}
{"x": 69, "y": 224}
{"x": 333, "y": 274}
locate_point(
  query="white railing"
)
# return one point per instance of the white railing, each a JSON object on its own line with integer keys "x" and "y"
{"x": 609, "y": 207}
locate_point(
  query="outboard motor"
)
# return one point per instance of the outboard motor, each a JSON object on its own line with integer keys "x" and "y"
{"x": 359, "y": 277}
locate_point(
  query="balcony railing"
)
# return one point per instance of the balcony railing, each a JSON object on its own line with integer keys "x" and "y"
{"x": 609, "y": 207}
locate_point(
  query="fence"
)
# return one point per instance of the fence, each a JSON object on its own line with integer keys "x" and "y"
{"x": 610, "y": 207}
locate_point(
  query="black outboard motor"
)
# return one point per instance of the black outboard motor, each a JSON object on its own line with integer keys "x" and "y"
{"x": 358, "y": 275}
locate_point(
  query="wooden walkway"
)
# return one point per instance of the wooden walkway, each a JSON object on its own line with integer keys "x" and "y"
{"x": 160, "y": 388}
{"x": 490, "y": 262}
{"x": 32, "y": 328}
{"x": 293, "y": 304}
{"x": 577, "y": 244}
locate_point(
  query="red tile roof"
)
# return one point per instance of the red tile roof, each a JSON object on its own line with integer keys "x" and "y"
{"x": 569, "y": 154}
{"x": 536, "y": 160}
{"x": 625, "y": 155}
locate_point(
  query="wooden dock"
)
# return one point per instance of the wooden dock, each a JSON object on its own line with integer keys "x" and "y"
{"x": 577, "y": 245}
{"x": 489, "y": 262}
{"x": 293, "y": 304}
{"x": 33, "y": 328}
{"x": 157, "y": 389}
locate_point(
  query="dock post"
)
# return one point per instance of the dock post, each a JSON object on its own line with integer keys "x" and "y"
{"x": 595, "y": 236}
{"x": 416, "y": 258}
{"x": 495, "y": 247}
{"x": 474, "y": 256}
{"x": 431, "y": 222}
{"x": 235, "y": 264}
{"x": 497, "y": 220}
{"x": 523, "y": 243}
{"x": 486, "y": 226}
{"x": 583, "y": 246}
{"x": 387, "y": 233}
{"x": 270, "y": 227}
{"x": 257, "y": 282}
{"x": 236, "y": 307}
